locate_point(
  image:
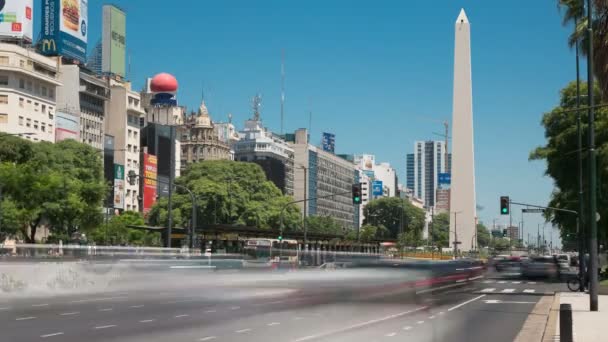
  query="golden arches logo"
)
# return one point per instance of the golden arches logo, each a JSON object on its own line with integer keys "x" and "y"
{"x": 49, "y": 45}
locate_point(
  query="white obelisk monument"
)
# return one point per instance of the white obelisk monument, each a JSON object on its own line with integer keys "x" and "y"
{"x": 462, "y": 194}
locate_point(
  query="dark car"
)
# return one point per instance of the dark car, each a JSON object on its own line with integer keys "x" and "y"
{"x": 541, "y": 267}
{"x": 510, "y": 264}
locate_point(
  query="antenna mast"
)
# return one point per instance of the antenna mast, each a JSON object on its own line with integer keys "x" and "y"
{"x": 282, "y": 87}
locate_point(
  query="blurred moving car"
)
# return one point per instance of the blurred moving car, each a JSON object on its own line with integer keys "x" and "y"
{"x": 541, "y": 267}
{"x": 510, "y": 264}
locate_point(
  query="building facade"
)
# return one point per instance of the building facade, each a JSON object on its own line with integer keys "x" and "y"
{"x": 28, "y": 85}
{"x": 199, "y": 139}
{"x": 423, "y": 169}
{"x": 326, "y": 174}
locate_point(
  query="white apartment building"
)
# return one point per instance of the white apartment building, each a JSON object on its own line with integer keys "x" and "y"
{"x": 28, "y": 83}
{"x": 123, "y": 115}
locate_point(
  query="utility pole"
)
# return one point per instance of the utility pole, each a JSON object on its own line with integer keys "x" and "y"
{"x": 282, "y": 87}
{"x": 171, "y": 178}
{"x": 305, "y": 169}
{"x": 580, "y": 229}
{"x": 593, "y": 264}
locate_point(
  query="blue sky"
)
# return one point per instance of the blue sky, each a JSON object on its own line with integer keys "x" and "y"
{"x": 373, "y": 73}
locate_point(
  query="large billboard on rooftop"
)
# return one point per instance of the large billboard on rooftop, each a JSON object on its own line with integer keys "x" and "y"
{"x": 65, "y": 28}
{"x": 16, "y": 19}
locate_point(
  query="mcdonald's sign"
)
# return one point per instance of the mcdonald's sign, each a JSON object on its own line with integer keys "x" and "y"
{"x": 64, "y": 28}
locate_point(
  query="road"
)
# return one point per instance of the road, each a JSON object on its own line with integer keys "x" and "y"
{"x": 269, "y": 313}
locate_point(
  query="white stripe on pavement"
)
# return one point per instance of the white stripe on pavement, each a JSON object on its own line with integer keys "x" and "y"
{"x": 502, "y": 282}
{"x": 490, "y": 289}
{"x": 69, "y": 313}
{"x": 529, "y": 291}
{"x": 208, "y": 338}
{"x": 390, "y": 334}
{"x": 508, "y": 291}
{"x": 242, "y": 331}
{"x": 516, "y": 282}
{"x": 105, "y": 326}
{"x": 51, "y": 335}
{"x": 465, "y": 303}
{"x": 24, "y": 318}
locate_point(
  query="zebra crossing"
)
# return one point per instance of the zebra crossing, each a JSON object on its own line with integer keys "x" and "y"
{"x": 517, "y": 282}
{"x": 498, "y": 286}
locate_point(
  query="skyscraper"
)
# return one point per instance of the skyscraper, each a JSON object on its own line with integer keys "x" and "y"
{"x": 423, "y": 169}
{"x": 462, "y": 194}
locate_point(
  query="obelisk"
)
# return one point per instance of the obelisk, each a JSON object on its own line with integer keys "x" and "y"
{"x": 462, "y": 191}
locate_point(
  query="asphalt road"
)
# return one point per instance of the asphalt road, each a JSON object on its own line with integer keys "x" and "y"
{"x": 250, "y": 313}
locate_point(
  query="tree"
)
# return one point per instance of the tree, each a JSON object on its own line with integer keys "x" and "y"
{"x": 500, "y": 244}
{"x": 559, "y": 153}
{"x": 574, "y": 9}
{"x": 394, "y": 214}
{"x": 483, "y": 235}
{"x": 228, "y": 192}
{"x": 117, "y": 232}
{"x": 440, "y": 230}
{"x": 324, "y": 225}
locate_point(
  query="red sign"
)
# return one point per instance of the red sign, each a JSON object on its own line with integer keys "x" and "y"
{"x": 16, "y": 27}
{"x": 28, "y": 12}
{"x": 150, "y": 173}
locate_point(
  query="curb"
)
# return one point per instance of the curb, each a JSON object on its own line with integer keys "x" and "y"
{"x": 550, "y": 335}
{"x": 535, "y": 325}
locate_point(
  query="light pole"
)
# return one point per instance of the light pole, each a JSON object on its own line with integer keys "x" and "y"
{"x": 305, "y": 169}
{"x": 456, "y": 233}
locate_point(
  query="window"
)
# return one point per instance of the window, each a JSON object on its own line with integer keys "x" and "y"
{"x": 3, "y": 99}
{"x": 129, "y": 147}
{"x": 50, "y": 116}
{"x": 130, "y": 133}
{"x": 35, "y": 124}
{"x": 51, "y": 93}
{"x": 43, "y": 127}
{"x": 50, "y": 128}
{"x": 128, "y": 162}
{"x": 4, "y": 60}
{"x": 3, "y": 80}
{"x": 21, "y": 83}
{"x": 22, "y": 63}
{"x": 28, "y": 122}
{"x": 21, "y": 121}
{"x": 36, "y": 106}
{"x": 44, "y": 91}
{"x": 43, "y": 109}
{"x": 29, "y": 85}
{"x": 135, "y": 134}
{"x": 128, "y": 192}
{"x": 3, "y": 118}
{"x": 36, "y": 88}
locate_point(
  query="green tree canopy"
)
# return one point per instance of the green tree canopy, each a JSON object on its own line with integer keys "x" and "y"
{"x": 394, "y": 214}
{"x": 324, "y": 225}
{"x": 228, "y": 192}
{"x": 483, "y": 235}
{"x": 440, "y": 229}
{"x": 116, "y": 231}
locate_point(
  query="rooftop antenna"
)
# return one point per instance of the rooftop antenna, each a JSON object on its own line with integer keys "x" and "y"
{"x": 257, "y": 102}
{"x": 282, "y": 87}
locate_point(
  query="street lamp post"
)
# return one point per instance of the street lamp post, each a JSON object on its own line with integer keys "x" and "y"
{"x": 456, "y": 234}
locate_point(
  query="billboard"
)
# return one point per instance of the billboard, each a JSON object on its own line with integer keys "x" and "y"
{"x": 150, "y": 176}
{"x": 64, "y": 28}
{"x": 445, "y": 178}
{"x": 16, "y": 19}
{"x": 119, "y": 186}
{"x": 329, "y": 142}
{"x": 377, "y": 189}
{"x": 113, "y": 41}
{"x": 67, "y": 126}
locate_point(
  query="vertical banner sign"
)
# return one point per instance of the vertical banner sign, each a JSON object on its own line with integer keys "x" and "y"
{"x": 150, "y": 176}
{"x": 64, "y": 28}
{"x": 113, "y": 41}
{"x": 329, "y": 142}
{"x": 119, "y": 186}
{"x": 16, "y": 19}
{"x": 377, "y": 188}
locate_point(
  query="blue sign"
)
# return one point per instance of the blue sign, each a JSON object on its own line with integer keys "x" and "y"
{"x": 329, "y": 142}
{"x": 377, "y": 189}
{"x": 445, "y": 178}
{"x": 64, "y": 29}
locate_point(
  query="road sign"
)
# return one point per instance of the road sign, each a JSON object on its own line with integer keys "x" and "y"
{"x": 533, "y": 211}
{"x": 445, "y": 178}
{"x": 377, "y": 189}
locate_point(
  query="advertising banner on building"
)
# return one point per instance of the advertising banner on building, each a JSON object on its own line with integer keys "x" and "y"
{"x": 17, "y": 19}
{"x": 65, "y": 28}
{"x": 113, "y": 41}
{"x": 377, "y": 189}
{"x": 119, "y": 186}
{"x": 150, "y": 176}
{"x": 329, "y": 142}
{"x": 67, "y": 126}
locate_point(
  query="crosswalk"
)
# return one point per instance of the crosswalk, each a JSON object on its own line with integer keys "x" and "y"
{"x": 516, "y": 282}
{"x": 494, "y": 290}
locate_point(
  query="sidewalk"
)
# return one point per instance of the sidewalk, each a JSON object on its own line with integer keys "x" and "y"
{"x": 588, "y": 326}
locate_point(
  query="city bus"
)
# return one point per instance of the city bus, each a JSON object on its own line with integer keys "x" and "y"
{"x": 271, "y": 253}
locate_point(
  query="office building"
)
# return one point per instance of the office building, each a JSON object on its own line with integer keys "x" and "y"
{"x": 199, "y": 139}
{"x": 382, "y": 172}
{"x": 423, "y": 169}
{"x": 270, "y": 151}
{"x": 326, "y": 174}
{"x": 28, "y": 84}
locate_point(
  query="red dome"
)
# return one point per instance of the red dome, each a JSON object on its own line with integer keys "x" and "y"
{"x": 163, "y": 83}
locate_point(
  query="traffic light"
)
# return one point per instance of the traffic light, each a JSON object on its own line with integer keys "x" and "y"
{"x": 357, "y": 193}
{"x": 132, "y": 175}
{"x": 504, "y": 205}
{"x": 280, "y": 238}
{"x": 504, "y": 233}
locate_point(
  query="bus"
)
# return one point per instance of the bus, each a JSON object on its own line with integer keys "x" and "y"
{"x": 272, "y": 253}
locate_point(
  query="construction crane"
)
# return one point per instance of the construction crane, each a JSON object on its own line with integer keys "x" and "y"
{"x": 446, "y": 136}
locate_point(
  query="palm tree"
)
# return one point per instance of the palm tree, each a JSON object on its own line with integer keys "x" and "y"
{"x": 575, "y": 13}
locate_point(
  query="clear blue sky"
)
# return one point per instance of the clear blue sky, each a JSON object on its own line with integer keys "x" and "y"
{"x": 369, "y": 71}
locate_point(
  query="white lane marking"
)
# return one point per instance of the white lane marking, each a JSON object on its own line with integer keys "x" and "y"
{"x": 39, "y": 305}
{"x": 136, "y": 306}
{"x": 106, "y": 309}
{"x": 461, "y": 280}
{"x": 69, "y": 313}
{"x": 475, "y": 278}
{"x": 407, "y": 328}
{"x": 516, "y": 282}
{"x": 529, "y": 291}
{"x": 532, "y": 282}
{"x": 208, "y": 338}
{"x": 273, "y": 323}
{"x": 51, "y": 335}
{"x": 420, "y": 322}
{"x": 432, "y": 317}
{"x": 105, "y": 326}
{"x": 242, "y": 331}
{"x": 235, "y": 308}
{"x": 147, "y": 320}
{"x": 297, "y": 318}
{"x": 359, "y": 325}
{"x": 502, "y": 282}
{"x": 4, "y": 308}
{"x": 179, "y": 316}
{"x": 97, "y": 299}
{"x": 498, "y": 301}
{"x": 441, "y": 313}
{"x": 210, "y": 311}
{"x": 277, "y": 302}
{"x": 180, "y": 301}
{"x": 490, "y": 289}
{"x": 508, "y": 291}
{"x": 24, "y": 318}
{"x": 465, "y": 303}
{"x": 390, "y": 334}
{"x": 488, "y": 281}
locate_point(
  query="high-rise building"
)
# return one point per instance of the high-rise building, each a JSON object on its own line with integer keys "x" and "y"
{"x": 423, "y": 169}
{"x": 28, "y": 83}
{"x": 383, "y": 172}
{"x": 94, "y": 61}
{"x": 270, "y": 151}
{"x": 326, "y": 174}
{"x": 199, "y": 139}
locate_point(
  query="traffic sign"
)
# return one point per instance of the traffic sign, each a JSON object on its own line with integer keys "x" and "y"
{"x": 445, "y": 178}
{"x": 527, "y": 210}
{"x": 377, "y": 189}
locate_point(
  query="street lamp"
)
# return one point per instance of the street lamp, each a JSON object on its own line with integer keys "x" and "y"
{"x": 456, "y": 233}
